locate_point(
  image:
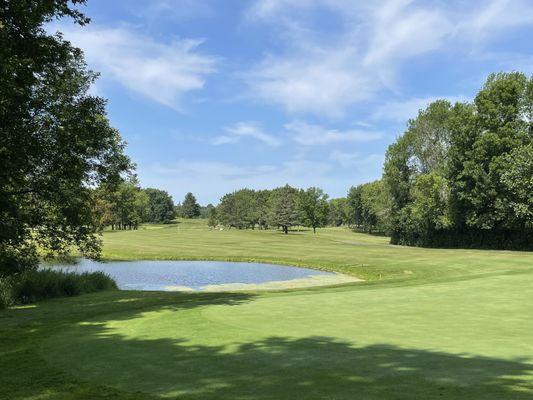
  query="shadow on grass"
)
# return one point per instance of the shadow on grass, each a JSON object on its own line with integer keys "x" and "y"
{"x": 269, "y": 368}
{"x": 284, "y": 368}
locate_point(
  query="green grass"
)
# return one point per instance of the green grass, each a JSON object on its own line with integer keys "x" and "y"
{"x": 334, "y": 249}
{"x": 458, "y": 326}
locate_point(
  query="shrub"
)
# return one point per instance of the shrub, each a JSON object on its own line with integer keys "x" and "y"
{"x": 31, "y": 286}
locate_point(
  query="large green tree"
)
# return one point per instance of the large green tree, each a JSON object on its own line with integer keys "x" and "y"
{"x": 461, "y": 174}
{"x": 284, "y": 208}
{"x": 338, "y": 212}
{"x": 55, "y": 139}
{"x": 161, "y": 206}
{"x": 313, "y": 206}
{"x": 190, "y": 207}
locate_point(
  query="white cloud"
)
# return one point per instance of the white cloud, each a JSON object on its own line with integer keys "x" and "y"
{"x": 324, "y": 73}
{"x": 246, "y": 129}
{"x": 403, "y": 110}
{"x": 307, "y": 134}
{"x": 372, "y": 162}
{"x": 177, "y": 10}
{"x": 163, "y": 72}
{"x": 497, "y": 15}
{"x": 318, "y": 82}
{"x": 210, "y": 180}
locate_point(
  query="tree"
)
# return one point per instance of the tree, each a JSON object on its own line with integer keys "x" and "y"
{"x": 190, "y": 208}
{"x": 313, "y": 206}
{"x": 212, "y": 220}
{"x": 284, "y": 210}
{"x": 238, "y": 209}
{"x": 517, "y": 180}
{"x": 375, "y": 206}
{"x": 500, "y": 125}
{"x": 161, "y": 206}
{"x": 131, "y": 205}
{"x": 262, "y": 204}
{"x": 55, "y": 140}
{"x": 354, "y": 205}
{"x": 338, "y": 212}
{"x": 461, "y": 175}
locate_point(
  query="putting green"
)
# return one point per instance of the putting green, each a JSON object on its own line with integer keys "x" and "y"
{"x": 469, "y": 339}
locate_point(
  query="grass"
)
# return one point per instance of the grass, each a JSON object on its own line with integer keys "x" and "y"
{"x": 32, "y": 286}
{"x": 458, "y": 326}
{"x": 333, "y": 249}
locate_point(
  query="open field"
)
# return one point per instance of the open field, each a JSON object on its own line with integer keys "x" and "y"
{"x": 441, "y": 324}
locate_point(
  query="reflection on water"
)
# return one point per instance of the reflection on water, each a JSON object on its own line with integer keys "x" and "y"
{"x": 173, "y": 275}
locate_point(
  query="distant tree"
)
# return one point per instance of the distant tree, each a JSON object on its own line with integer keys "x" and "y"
{"x": 178, "y": 211}
{"x": 369, "y": 207}
{"x": 262, "y": 207}
{"x": 338, "y": 212}
{"x": 284, "y": 211}
{"x": 313, "y": 206}
{"x": 204, "y": 210}
{"x": 354, "y": 204}
{"x": 238, "y": 209}
{"x": 212, "y": 220}
{"x": 55, "y": 139}
{"x": 375, "y": 207}
{"x": 161, "y": 206}
{"x": 189, "y": 207}
{"x": 131, "y": 205}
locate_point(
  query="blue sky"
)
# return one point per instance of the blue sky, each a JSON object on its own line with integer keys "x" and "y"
{"x": 213, "y": 96}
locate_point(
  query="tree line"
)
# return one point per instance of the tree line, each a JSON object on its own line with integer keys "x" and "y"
{"x": 283, "y": 207}
{"x": 364, "y": 209}
{"x": 126, "y": 205}
{"x": 461, "y": 175}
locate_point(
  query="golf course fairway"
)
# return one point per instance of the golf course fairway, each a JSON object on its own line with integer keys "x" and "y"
{"x": 450, "y": 324}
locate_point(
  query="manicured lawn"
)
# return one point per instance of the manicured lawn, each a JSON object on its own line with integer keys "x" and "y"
{"x": 458, "y": 325}
{"x": 335, "y": 249}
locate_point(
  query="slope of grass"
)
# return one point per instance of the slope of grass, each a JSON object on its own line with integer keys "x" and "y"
{"x": 457, "y": 326}
{"x": 334, "y": 249}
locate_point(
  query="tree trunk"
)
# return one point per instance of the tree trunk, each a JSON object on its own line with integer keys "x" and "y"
{"x": 314, "y": 229}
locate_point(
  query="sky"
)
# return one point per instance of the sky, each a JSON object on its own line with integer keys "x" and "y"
{"x": 216, "y": 95}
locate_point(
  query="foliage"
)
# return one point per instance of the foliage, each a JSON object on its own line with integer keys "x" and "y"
{"x": 237, "y": 209}
{"x": 368, "y": 207}
{"x": 55, "y": 139}
{"x": 205, "y": 210}
{"x": 314, "y": 208}
{"x": 190, "y": 207}
{"x": 284, "y": 210}
{"x": 212, "y": 217}
{"x": 123, "y": 206}
{"x": 338, "y": 212}
{"x": 32, "y": 286}
{"x": 160, "y": 206}
{"x": 461, "y": 174}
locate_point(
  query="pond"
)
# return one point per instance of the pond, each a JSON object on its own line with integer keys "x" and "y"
{"x": 205, "y": 275}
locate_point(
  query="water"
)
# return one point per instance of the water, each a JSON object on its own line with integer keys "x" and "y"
{"x": 176, "y": 275}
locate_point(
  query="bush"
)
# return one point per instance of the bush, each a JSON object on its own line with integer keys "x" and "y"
{"x": 31, "y": 286}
